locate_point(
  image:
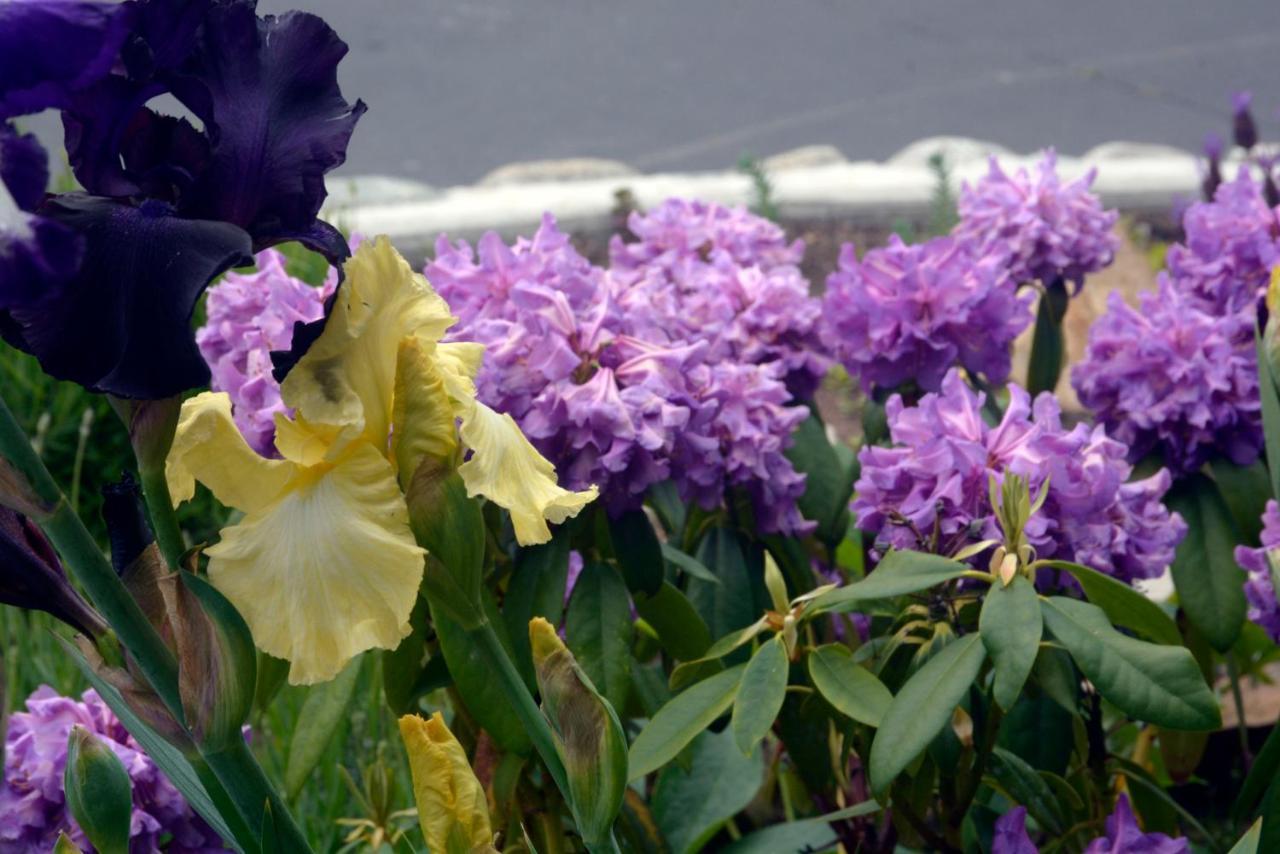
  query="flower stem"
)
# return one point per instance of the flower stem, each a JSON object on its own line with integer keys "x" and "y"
{"x": 244, "y": 781}
{"x": 155, "y": 490}
{"x": 522, "y": 702}
{"x": 1242, "y": 727}
{"x": 90, "y": 568}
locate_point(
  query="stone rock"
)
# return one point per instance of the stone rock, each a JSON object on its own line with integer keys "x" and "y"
{"x": 1121, "y": 150}
{"x": 804, "y": 157}
{"x": 373, "y": 190}
{"x": 566, "y": 169}
{"x": 955, "y": 150}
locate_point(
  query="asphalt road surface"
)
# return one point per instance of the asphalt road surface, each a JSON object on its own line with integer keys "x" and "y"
{"x": 456, "y": 88}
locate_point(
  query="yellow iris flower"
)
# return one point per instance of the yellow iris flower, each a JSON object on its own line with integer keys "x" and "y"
{"x": 323, "y": 565}
{"x": 453, "y": 810}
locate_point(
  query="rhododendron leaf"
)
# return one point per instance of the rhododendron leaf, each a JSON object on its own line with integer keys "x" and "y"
{"x": 681, "y": 719}
{"x": 1011, "y": 625}
{"x": 1047, "y": 343}
{"x": 828, "y": 484}
{"x": 760, "y": 694}
{"x": 1269, "y": 392}
{"x": 598, "y": 630}
{"x": 848, "y": 686}
{"x": 638, "y": 551}
{"x": 899, "y": 573}
{"x": 1124, "y": 605}
{"x": 1151, "y": 682}
{"x": 922, "y": 708}
{"x": 680, "y": 628}
{"x": 1210, "y": 583}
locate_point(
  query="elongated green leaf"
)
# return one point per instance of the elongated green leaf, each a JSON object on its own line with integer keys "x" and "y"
{"x": 689, "y": 564}
{"x": 828, "y": 484}
{"x": 225, "y": 821}
{"x": 690, "y": 805}
{"x": 851, "y": 688}
{"x": 1011, "y": 626}
{"x": 1024, "y": 786}
{"x": 900, "y": 572}
{"x": 1245, "y": 489}
{"x": 1033, "y": 730}
{"x": 760, "y": 694}
{"x": 679, "y": 721}
{"x": 638, "y": 551}
{"x": 1151, "y": 682}
{"x": 536, "y": 589}
{"x": 810, "y": 834}
{"x": 733, "y": 640}
{"x": 922, "y": 708}
{"x": 1123, "y": 605}
{"x": 598, "y": 630}
{"x": 731, "y": 604}
{"x": 1248, "y": 844}
{"x": 1047, "y": 347}
{"x": 402, "y": 666}
{"x": 1265, "y": 768}
{"x": 1210, "y": 584}
{"x": 482, "y": 694}
{"x": 680, "y": 628}
{"x": 322, "y": 711}
{"x": 1269, "y": 392}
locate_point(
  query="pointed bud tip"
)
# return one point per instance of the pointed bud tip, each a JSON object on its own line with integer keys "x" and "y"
{"x": 544, "y": 640}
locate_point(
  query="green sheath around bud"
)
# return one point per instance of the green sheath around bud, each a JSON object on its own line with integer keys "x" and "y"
{"x": 450, "y": 526}
{"x": 589, "y": 734}
{"x": 99, "y": 793}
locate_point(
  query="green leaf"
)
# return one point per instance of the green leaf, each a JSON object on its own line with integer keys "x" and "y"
{"x": 1267, "y": 391}
{"x": 679, "y": 626}
{"x": 852, "y": 689}
{"x": 679, "y": 721}
{"x": 691, "y": 805}
{"x": 1245, "y": 489}
{"x": 1024, "y": 786}
{"x": 210, "y": 806}
{"x": 318, "y": 722}
{"x": 1265, "y": 768}
{"x": 598, "y": 630}
{"x": 730, "y": 604}
{"x": 1210, "y": 584}
{"x": 689, "y": 564}
{"x": 1047, "y": 347}
{"x": 1123, "y": 605}
{"x": 1151, "y": 682}
{"x": 760, "y": 694}
{"x": 638, "y": 551}
{"x": 1011, "y": 625}
{"x": 402, "y": 667}
{"x": 473, "y": 676}
{"x": 900, "y": 572}
{"x": 1033, "y": 730}
{"x": 536, "y": 589}
{"x": 922, "y": 708}
{"x": 810, "y": 834}
{"x": 1248, "y": 844}
{"x": 828, "y": 484}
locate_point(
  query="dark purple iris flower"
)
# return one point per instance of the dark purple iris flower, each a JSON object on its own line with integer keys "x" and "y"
{"x": 100, "y": 285}
{"x": 32, "y": 577}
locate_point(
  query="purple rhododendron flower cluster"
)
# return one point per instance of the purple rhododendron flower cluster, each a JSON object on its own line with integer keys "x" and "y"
{"x": 1042, "y": 228}
{"x": 1259, "y": 587}
{"x": 1231, "y": 245}
{"x": 911, "y": 312}
{"x": 1172, "y": 378}
{"x": 32, "y": 804}
{"x": 248, "y": 316}
{"x": 606, "y": 398}
{"x": 1179, "y": 376}
{"x": 1123, "y": 836}
{"x": 929, "y": 490}
{"x": 703, "y": 271}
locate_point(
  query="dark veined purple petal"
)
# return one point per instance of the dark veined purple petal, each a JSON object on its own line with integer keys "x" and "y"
{"x": 32, "y": 577}
{"x": 276, "y": 117}
{"x": 49, "y": 49}
{"x": 24, "y": 167}
{"x": 122, "y": 325}
{"x": 35, "y": 254}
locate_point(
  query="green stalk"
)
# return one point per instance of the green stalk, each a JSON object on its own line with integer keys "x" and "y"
{"x": 155, "y": 490}
{"x": 243, "y": 779}
{"x": 90, "y": 567}
{"x": 522, "y": 702}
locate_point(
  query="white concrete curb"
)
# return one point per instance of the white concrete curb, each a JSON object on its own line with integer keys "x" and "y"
{"x": 813, "y": 182}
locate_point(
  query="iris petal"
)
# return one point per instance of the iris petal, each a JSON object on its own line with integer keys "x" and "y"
{"x": 24, "y": 167}
{"x": 505, "y": 468}
{"x": 327, "y": 570}
{"x": 122, "y": 324}
{"x": 453, "y": 809}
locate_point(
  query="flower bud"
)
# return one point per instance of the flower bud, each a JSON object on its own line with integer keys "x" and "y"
{"x": 1243, "y": 129}
{"x": 99, "y": 792}
{"x": 151, "y": 425}
{"x": 32, "y": 577}
{"x": 1213, "y": 166}
{"x": 588, "y": 734}
{"x": 217, "y": 662}
{"x": 453, "y": 810}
